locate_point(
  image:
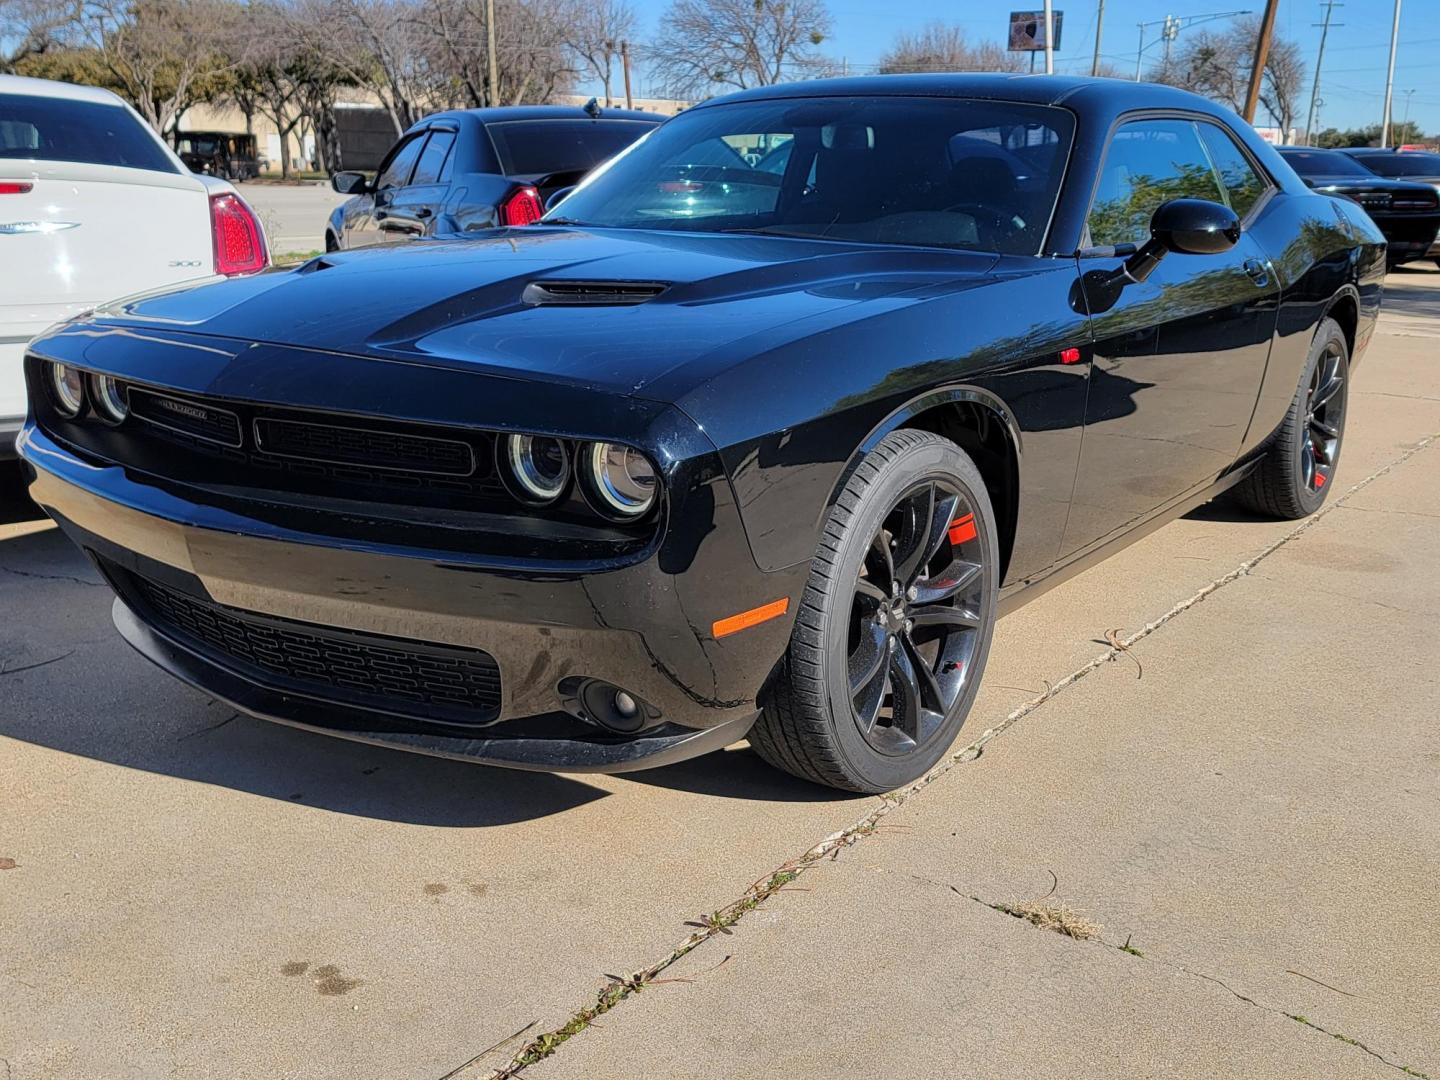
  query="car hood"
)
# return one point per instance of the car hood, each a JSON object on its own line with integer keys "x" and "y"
{"x": 1346, "y": 182}
{"x": 466, "y": 302}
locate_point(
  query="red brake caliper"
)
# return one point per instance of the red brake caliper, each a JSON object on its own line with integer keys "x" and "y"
{"x": 962, "y": 529}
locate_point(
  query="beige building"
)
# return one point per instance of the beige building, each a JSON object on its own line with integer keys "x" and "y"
{"x": 378, "y": 126}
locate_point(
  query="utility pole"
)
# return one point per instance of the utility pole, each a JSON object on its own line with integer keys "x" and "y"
{"x": 1405, "y": 124}
{"x": 1049, "y": 39}
{"x": 1390, "y": 78}
{"x": 1330, "y": 6}
{"x": 1099, "y": 23}
{"x": 1262, "y": 57}
{"x": 625, "y": 64}
{"x": 490, "y": 48}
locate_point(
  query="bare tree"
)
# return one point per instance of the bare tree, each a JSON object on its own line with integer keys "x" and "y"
{"x": 1217, "y": 64}
{"x": 595, "y": 33}
{"x": 705, "y": 44}
{"x": 32, "y": 27}
{"x": 940, "y": 47}
{"x": 166, "y": 55}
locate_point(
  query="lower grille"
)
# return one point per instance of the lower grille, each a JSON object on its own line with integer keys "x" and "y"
{"x": 421, "y": 680}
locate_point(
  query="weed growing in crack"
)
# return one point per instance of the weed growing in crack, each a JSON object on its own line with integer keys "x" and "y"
{"x": 1058, "y": 918}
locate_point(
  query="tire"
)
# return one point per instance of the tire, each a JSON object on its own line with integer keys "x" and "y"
{"x": 1294, "y": 477}
{"x": 331, "y": 244}
{"x": 813, "y": 724}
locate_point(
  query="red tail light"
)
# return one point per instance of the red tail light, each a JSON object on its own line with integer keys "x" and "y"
{"x": 239, "y": 246}
{"x": 14, "y": 187}
{"x": 521, "y": 208}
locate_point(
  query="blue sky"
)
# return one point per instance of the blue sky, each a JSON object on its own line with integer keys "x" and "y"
{"x": 1352, "y": 79}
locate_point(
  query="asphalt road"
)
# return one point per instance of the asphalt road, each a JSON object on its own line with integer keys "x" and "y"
{"x": 197, "y": 894}
{"x": 294, "y": 215}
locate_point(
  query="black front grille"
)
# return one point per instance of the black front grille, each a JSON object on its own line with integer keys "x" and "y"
{"x": 364, "y": 447}
{"x": 421, "y": 680}
{"x": 185, "y": 415}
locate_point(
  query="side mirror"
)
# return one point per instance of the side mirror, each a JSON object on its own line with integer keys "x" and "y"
{"x": 557, "y": 196}
{"x": 350, "y": 183}
{"x": 1195, "y": 227}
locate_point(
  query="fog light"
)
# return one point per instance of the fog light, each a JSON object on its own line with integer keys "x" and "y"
{"x": 623, "y": 480}
{"x": 539, "y": 467}
{"x": 67, "y": 385}
{"x": 625, "y": 704}
{"x": 109, "y": 398}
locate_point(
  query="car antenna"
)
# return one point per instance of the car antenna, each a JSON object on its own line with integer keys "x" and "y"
{"x": 592, "y": 108}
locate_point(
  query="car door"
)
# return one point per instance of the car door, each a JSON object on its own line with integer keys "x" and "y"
{"x": 1179, "y": 357}
{"x": 364, "y": 227}
{"x": 413, "y": 208}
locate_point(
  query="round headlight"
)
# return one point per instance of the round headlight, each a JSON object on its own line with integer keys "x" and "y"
{"x": 539, "y": 465}
{"x": 109, "y": 398}
{"x": 623, "y": 479}
{"x": 68, "y": 385}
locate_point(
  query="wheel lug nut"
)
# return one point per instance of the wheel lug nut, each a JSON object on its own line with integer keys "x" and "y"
{"x": 893, "y": 643}
{"x": 911, "y": 593}
{"x": 909, "y": 625}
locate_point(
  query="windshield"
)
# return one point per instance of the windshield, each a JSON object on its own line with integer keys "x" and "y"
{"x": 923, "y": 171}
{"x": 1406, "y": 164}
{"x": 60, "y": 129}
{"x": 542, "y": 147}
{"x": 1324, "y": 163}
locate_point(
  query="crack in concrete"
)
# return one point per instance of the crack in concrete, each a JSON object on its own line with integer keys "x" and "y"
{"x": 52, "y": 577}
{"x": 720, "y": 922}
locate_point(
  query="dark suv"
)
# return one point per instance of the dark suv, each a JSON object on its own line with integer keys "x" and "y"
{"x": 456, "y": 172}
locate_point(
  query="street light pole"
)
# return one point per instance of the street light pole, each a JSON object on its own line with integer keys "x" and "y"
{"x": 1390, "y": 78}
{"x": 1049, "y": 39}
{"x": 1405, "y": 124}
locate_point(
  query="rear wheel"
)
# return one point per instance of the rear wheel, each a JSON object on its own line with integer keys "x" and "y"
{"x": 895, "y": 625}
{"x": 1294, "y": 477}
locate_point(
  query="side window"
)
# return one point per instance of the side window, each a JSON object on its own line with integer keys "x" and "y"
{"x": 396, "y": 170}
{"x": 1242, "y": 183}
{"x": 1149, "y": 162}
{"x": 432, "y": 158}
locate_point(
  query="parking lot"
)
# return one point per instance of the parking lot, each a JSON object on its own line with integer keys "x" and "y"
{"x": 294, "y": 215}
{"x": 1241, "y": 802}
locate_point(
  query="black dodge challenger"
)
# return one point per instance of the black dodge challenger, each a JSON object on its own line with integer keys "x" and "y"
{"x": 739, "y": 440}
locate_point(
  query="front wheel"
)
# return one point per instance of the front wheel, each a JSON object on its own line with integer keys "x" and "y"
{"x": 895, "y": 625}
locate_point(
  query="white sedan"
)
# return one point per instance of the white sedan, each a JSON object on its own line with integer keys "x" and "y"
{"x": 94, "y": 206}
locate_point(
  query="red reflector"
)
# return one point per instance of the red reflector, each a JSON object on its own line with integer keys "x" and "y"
{"x": 1069, "y": 356}
{"x": 239, "y": 246}
{"x": 754, "y": 617}
{"x": 962, "y": 529}
{"x": 14, "y": 187}
{"x": 522, "y": 208}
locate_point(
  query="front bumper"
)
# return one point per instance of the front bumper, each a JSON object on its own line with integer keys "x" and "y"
{"x": 642, "y": 627}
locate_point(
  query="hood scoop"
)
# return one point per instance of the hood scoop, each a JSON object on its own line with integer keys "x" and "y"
{"x": 591, "y": 293}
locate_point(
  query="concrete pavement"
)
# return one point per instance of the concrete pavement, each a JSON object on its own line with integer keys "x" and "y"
{"x": 200, "y": 895}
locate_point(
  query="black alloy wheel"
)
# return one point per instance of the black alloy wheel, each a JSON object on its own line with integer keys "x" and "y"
{"x": 1298, "y": 469}
{"x": 893, "y": 630}
{"x": 1324, "y": 417}
{"x": 915, "y": 618}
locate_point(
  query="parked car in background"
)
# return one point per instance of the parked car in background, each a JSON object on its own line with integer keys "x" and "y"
{"x": 1419, "y": 166}
{"x": 94, "y": 205}
{"x": 603, "y": 496}
{"x": 456, "y": 172}
{"x": 220, "y": 153}
{"x": 1408, "y": 213}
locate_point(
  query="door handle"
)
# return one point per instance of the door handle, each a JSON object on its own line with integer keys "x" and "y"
{"x": 1257, "y": 272}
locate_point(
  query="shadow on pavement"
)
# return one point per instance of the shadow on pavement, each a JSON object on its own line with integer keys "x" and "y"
{"x": 15, "y": 505}
{"x": 70, "y": 683}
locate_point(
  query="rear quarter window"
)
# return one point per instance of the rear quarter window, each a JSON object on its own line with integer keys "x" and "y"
{"x": 89, "y": 133}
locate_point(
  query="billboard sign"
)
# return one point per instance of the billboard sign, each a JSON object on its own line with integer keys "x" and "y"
{"x": 1027, "y": 30}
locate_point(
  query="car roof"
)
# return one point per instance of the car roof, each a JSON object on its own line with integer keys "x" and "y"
{"x": 20, "y": 84}
{"x": 503, "y": 113}
{"x": 1109, "y": 95}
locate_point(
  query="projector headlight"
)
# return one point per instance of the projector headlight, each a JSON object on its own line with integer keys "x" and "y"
{"x": 109, "y": 398}
{"x": 67, "y": 386}
{"x": 538, "y": 467}
{"x": 622, "y": 480}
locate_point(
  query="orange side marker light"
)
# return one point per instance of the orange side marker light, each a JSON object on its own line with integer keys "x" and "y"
{"x": 963, "y": 529}
{"x": 754, "y": 617}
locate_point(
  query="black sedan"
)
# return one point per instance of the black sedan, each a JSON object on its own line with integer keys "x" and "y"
{"x": 456, "y": 172}
{"x": 1408, "y": 213}
{"x": 630, "y": 484}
